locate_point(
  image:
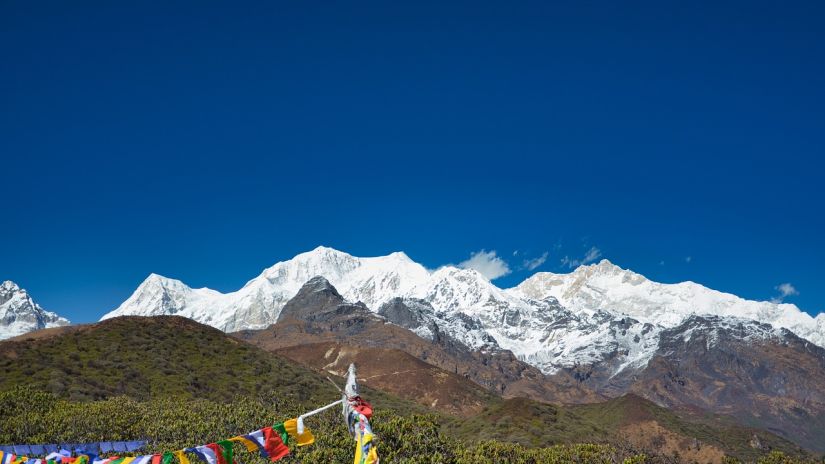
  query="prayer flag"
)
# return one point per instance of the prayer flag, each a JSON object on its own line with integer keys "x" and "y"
{"x": 270, "y": 442}
{"x": 182, "y": 458}
{"x": 302, "y": 439}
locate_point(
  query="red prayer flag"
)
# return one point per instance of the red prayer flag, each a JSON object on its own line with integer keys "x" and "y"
{"x": 274, "y": 446}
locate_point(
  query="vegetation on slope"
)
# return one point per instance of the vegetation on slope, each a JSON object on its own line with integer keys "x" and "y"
{"x": 646, "y": 425}
{"x": 169, "y": 424}
{"x": 146, "y": 358}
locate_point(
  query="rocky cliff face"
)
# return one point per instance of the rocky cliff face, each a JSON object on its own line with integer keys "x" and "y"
{"x": 20, "y": 314}
{"x": 764, "y": 376}
{"x": 319, "y": 314}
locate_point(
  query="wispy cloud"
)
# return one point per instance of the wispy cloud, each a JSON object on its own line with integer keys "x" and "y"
{"x": 533, "y": 263}
{"x": 785, "y": 290}
{"x": 688, "y": 259}
{"x": 487, "y": 263}
{"x": 591, "y": 255}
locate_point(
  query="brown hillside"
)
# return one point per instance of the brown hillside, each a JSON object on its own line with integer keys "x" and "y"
{"x": 396, "y": 372}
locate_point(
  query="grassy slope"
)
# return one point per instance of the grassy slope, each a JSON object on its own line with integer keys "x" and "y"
{"x": 627, "y": 421}
{"x": 150, "y": 358}
{"x": 621, "y": 414}
{"x": 530, "y": 423}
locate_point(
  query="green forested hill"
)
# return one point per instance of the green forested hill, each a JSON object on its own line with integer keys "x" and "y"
{"x": 158, "y": 357}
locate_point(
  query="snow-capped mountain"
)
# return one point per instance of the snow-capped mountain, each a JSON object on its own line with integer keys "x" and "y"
{"x": 597, "y": 314}
{"x": 372, "y": 281}
{"x": 605, "y": 286}
{"x": 19, "y": 314}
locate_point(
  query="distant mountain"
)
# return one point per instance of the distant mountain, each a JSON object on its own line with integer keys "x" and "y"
{"x": 20, "y": 314}
{"x": 598, "y": 313}
{"x": 605, "y": 286}
{"x": 259, "y": 302}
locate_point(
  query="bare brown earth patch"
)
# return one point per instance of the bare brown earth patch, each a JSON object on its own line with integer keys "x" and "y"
{"x": 651, "y": 435}
{"x": 396, "y": 372}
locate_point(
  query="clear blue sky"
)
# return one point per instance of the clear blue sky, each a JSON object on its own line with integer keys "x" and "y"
{"x": 207, "y": 140}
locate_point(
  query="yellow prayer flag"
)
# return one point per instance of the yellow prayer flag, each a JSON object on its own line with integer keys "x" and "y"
{"x": 250, "y": 445}
{"x": 303, "y": 439}
{"x": 181, "y": 454}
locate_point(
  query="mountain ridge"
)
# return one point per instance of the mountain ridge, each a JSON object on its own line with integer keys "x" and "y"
{"x": 552, "y": 321}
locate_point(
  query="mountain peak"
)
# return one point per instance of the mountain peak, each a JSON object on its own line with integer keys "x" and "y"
{"x": 603, "y": 267}
{"x": 20, "y": 314}
{"x": 164, "y": 283}
{"x": 318, "y": 284}
{"x": 323, "y": 251}
{"x": 400, "y": 256}
{"x": 317, "y": 296}
{"x": 8, "y": 287}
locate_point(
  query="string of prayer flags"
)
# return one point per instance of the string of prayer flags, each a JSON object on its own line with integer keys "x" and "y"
{"x": 270, "y": 442}
{"x": 79, "y": 448}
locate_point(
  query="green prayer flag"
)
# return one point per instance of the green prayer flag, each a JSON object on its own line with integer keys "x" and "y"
{"x": 228, "y": 450}
{"x": 279, "y": 427}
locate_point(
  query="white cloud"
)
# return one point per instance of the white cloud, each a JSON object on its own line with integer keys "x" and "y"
{"x": 689, "y": 259}
{"x": 533, "y": 263}
{"x": 785, "y": 290}
{"x": 487, "y": 263}
{"x": 592, "y": 255}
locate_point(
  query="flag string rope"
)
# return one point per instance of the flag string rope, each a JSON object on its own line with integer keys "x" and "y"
{"x": 270, "y": 441}
{"x": 300, "y": 424}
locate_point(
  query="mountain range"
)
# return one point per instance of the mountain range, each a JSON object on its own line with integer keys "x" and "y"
{"x": 551, "y": 321}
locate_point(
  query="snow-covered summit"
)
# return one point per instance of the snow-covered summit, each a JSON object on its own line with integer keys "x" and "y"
{"x": 20, "y": 314}
{"x": 372, "y": 281}
{"x": 606, "y": 286}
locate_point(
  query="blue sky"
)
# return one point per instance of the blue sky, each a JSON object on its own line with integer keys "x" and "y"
{"x": 207, "y": 141}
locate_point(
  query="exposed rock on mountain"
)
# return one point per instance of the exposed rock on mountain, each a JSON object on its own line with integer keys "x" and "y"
{"x": 319, "y": 314}
{"x": 19, "y": 313}
{"x": 766, "y": 377}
